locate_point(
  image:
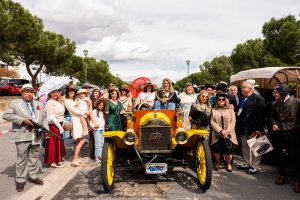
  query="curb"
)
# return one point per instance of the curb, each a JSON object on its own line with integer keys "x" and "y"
{"x": 55, "y": 181}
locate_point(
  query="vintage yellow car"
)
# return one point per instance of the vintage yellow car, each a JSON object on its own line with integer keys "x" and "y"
{"x": 155, "y": 141}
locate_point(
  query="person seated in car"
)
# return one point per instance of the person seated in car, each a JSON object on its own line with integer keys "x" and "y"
{"x": 166, "y": 93}
{"x": 146, "y": 98}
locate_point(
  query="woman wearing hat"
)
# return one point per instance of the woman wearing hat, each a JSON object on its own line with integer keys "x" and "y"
{"x": 147, "y": 97}
{"x": 125, "y": 98}
{"x": 223, "y": 130}
{"x": 114, "y": 110}
{"x": 100, "y": 117}
{"x": 77, "y": 131}
{"x": 187, "y": 98}
{"x": 54, "y": 146}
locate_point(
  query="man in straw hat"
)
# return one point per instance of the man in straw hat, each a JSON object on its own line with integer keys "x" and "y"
{"x": 20, "y": 112}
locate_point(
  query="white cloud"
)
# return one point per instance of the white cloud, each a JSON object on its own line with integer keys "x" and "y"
{"x": 155, "y": 38}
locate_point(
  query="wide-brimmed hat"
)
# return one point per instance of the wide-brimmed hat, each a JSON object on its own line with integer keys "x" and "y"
{"x": 221, "y": 94}
{"x": 151, "y": 84}
{"x": 124, "y": 87}
{"x": 253, "y": 82}
{"x": 27, "y": 86}
{"x": 86, "y": 85}
{"x": 82, "y": 91}
{"x": 96, "y": 103}
{"x": 209, "y": 86}
{"x": 221, "y": 86}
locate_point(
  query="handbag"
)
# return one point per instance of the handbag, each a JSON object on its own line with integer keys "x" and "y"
{"x": 260, "y": 145}
{"x": 68, "y": 126}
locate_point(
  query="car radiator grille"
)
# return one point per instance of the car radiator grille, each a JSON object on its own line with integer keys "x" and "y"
{"x": 155, "y": 139}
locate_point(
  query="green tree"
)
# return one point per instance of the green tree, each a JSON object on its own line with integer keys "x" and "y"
{"x": 248, "y": 55}
{"x": 282, "y": 39}
{"x": 19, "y": 29}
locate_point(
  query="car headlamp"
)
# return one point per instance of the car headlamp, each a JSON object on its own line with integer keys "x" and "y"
{"x": 181, "y": 137}
{"x": 129, "y": 137}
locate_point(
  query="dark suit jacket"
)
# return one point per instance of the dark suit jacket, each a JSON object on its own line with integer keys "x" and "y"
{"x": 237, "y": 105}
{"x": 252, "y": 117}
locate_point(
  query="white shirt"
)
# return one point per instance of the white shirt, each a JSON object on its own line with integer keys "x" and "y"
{"x": 99, "y": 120}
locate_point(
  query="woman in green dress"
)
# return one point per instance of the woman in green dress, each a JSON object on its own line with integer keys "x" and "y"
{"x": 115, "y": 109}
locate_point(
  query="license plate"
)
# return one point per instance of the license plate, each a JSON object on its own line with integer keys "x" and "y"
{"x": 156, "y": 168}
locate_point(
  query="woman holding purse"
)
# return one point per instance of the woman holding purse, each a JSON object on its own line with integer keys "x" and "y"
{"x": 223, "y": 130}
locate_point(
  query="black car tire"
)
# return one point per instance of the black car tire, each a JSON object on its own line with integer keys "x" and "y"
{"x": 108, "y": 165}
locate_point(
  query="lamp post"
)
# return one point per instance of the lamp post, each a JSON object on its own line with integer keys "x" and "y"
{"x": 117, "y": 79}
{"x": 188, "y": 64}
{"x": 85, "y": 54}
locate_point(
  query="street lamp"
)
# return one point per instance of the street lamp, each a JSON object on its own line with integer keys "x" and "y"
{"x": 85, "y": 54}
{"x": 117, "y": 79}
{"x": 188, "y": 64}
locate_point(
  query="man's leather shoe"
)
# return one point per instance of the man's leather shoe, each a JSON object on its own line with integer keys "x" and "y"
{"x": 252, "y": 170}
{"x": 296, "y": 187}
{"x": 281, "y": 180}
{"x": 20, "y": 186}
{"x": 244, "y": 166}
{"x": 36, "y": 181}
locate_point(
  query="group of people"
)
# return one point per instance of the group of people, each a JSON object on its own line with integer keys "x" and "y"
{"x": 228, "y": 116}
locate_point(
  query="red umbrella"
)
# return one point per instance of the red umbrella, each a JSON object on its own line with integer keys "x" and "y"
{"x": 136, "y": 86}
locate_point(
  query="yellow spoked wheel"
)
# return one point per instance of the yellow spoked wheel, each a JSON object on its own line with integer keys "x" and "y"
{"x": 107, "y": 165}
{"x": 203, "y": 163}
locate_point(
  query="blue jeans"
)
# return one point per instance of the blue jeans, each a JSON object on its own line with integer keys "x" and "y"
{"x": 158, "y": 106}
{"x": 99, "y": 141}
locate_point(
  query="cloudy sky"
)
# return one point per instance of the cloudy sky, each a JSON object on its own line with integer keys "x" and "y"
{"x": 155, "y": 38}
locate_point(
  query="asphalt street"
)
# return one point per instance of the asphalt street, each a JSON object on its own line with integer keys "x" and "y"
{"x": 84, "y": 182}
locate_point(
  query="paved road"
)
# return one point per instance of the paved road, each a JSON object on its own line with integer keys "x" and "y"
{"x": 83, "y": 182}
{"x": 179, "y": 184}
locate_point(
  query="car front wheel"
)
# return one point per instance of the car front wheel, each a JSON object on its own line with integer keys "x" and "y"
{"x": 107, "y": 165}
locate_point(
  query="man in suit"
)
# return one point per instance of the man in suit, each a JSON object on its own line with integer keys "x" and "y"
{"x": 251, "y": 120}
{"x": 237, "y": 98}
{"x": 20, "y": 112}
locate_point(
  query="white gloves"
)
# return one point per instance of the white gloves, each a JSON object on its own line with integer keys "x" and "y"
{"x": 57, "y": 124}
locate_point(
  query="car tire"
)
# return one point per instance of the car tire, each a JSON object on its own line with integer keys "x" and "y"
{"x": 203, "y": 163}
{"x": 5, "y": 93}
{"x": 108, "y": 165}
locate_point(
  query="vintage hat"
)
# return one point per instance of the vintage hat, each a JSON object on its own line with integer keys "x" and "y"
{"x": 124, "y": 87}
{"x": 221, "y": 94}
{"x": 252, "y": 81}
{"x": 283, "y": 89}
{"x": 86, "y": 85}
{"x": 82, "y": 91}
{"x": 149, "y": 83}
{"x": 209, "y": 86}
{"x": 96, "y": 103}
{"x": 27, "y": 86}
{"x": 221, "y": 86}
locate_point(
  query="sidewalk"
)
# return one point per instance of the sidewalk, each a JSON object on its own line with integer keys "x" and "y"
{"x": 54, "y": 178}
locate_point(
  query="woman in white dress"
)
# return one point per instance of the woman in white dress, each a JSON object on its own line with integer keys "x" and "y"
{"x": 77, "y": 132}
{"x": 146, "y": 98}
{"x": 187, "y": 98}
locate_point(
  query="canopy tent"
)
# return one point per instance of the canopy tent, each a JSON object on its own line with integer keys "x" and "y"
{"x": 267, "y": 77}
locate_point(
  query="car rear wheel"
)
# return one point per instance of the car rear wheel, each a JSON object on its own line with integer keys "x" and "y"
{"x": 107, "y": 165}
{"x": 5, "y": 93}
{"x": 203, "y": 163}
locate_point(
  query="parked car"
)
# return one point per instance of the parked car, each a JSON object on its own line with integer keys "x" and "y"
{"x": 156, "y": 142}
{"x": 7, "y": 89}
{"x": 18, "y": 82}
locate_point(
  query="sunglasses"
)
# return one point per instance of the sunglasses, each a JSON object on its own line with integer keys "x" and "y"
{"x": 204, "y": 96}
{"x": 221, "y": 99}
{"x": 111, "y": 85}
{"x": 86, "y": 88}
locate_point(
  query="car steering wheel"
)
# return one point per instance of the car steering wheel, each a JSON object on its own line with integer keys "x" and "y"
{"x": 164, "y": 99}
